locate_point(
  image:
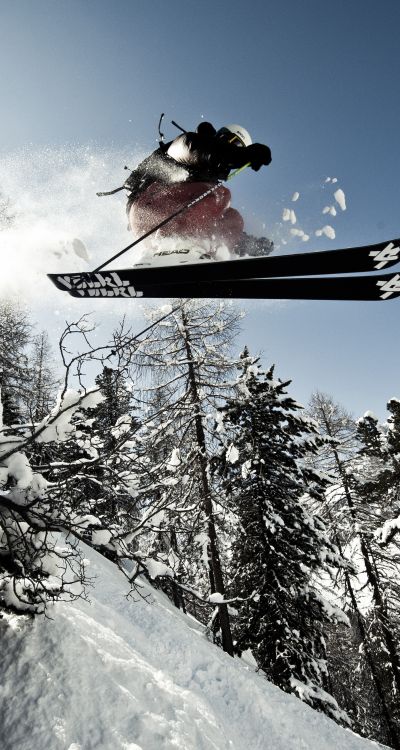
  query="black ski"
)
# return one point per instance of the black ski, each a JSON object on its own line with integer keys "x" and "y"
{"x": 366, "y": 258}
{"x": 361, "y": 259}
{"x": 113, "y": 284}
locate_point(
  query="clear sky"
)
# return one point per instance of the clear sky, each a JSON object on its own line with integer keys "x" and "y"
{"x": 317, "y": 81}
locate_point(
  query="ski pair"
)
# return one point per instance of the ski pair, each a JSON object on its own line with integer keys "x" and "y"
{"x": 252, "y": 278}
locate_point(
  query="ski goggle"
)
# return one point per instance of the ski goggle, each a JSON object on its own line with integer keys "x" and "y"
{"x": 230, "y": 137}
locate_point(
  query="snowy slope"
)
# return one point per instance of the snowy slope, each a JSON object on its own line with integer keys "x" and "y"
{"x": 139, "y": 675}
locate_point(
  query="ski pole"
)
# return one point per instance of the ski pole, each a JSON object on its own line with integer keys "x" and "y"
{"x": 238, "y": 170}
{"x": 169, "y": 218}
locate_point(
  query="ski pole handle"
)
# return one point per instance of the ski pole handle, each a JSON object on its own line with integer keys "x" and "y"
{"x": 237, "y": 171}
{"x": 110, "y": 192}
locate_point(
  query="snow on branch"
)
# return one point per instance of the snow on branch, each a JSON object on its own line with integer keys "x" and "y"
{"x": 78, "y": 475}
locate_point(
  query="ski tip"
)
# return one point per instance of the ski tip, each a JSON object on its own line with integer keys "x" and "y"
{"x": 389, "y": 287}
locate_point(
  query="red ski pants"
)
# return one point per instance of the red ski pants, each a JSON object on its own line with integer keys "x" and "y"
{"x": 210, "y": 217}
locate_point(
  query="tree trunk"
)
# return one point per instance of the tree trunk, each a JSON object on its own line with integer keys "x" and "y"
{"x": 215, "y": 570}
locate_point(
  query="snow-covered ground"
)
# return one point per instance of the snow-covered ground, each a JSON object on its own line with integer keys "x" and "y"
{"x": 124, "y": 674}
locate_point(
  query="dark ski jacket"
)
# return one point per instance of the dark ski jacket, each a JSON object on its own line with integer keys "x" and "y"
{"x": 200, "y": 156}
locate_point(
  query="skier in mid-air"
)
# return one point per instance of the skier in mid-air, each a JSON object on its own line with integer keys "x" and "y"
{"x": 180, "y": 171}
{"x": 190, "y": 170}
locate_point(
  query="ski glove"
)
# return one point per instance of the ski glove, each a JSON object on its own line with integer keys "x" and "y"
{"x": 206, "y": 129}
{"x": 258, "y": 155}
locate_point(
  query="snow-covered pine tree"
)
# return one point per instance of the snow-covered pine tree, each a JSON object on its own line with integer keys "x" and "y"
{"x": 48, "y": 500}
{"x": 161, "y": 487}
{"x": 189, "y": 354}
{"x": 117, "y": 406}
{"x": 280, "y": 549}
{"x": 36, "y": 566}
{"x": 104, "y": 436}
{"x": 15, "y": 383}
{"x": 353, "y": 507}
{"x": 376, "y": 500}
{"x": 389, "y": 477}
{"x": 43, "y": 381}
{"x": 103, "y": 444}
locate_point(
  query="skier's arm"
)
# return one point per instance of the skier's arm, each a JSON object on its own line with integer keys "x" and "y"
{"x": 196, "y": 149}
{"x": 257, "y": 155}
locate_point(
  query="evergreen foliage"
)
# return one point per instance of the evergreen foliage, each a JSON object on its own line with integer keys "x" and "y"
{"x": 189, "y": 355}
{"x": 15, "y": 383}
{"x": 43, "y": 382}
{"x": 225, "y": 494}
{"x": 279, "y": 548}
{"x": 356, "y": 506}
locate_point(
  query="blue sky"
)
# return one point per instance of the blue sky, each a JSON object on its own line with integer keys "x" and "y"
{"x": 317, "y": 81}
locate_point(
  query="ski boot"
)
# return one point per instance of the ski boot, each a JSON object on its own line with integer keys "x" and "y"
{"x": 253, "y": 246}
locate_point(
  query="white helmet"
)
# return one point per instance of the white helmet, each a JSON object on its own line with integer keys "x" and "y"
{"x": 238, "y": 135}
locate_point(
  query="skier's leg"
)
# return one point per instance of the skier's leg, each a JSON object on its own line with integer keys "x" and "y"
{"x": 211, "y": 217}
{"x": 148, "y": 209}
{"x": 228, "y": 229}
{"x": 250, "y": 245}
{"x": 160, "y": 201}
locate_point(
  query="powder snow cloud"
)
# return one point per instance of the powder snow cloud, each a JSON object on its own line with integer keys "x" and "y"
{"x": 59, "y": 223}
